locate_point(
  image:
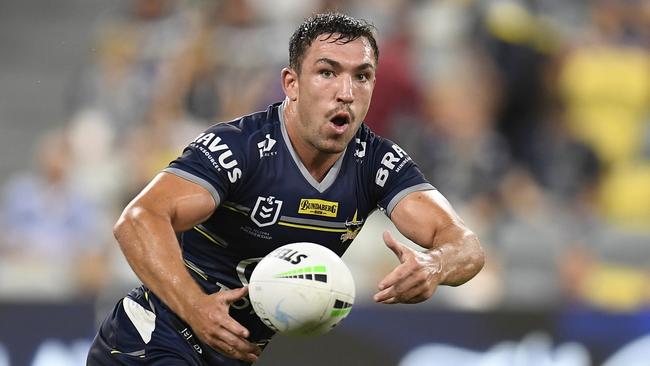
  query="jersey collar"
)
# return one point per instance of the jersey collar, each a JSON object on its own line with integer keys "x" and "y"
{"x": 331, "y": 174}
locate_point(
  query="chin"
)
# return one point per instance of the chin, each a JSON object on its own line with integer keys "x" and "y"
{"x": 334, "y": 148}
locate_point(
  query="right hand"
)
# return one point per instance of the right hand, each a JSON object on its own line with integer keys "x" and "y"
{"x": 211, "y": 322}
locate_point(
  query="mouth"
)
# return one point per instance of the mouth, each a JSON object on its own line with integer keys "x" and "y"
{"x": 340, "y": 119}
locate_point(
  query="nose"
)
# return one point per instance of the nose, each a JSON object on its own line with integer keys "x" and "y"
{"x": 344, "y": 93}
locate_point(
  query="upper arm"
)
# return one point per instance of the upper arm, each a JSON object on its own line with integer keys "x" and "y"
{"x": 427, "y": 219}
{"x": 176, "y": 199}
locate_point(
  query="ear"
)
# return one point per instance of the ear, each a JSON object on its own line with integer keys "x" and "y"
{"x": 290, "y": 83}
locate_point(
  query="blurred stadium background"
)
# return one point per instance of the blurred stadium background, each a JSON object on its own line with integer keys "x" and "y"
{"x": 532, "y": 117}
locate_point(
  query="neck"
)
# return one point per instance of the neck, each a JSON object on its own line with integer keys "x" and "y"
{"x": 318, "y": 163}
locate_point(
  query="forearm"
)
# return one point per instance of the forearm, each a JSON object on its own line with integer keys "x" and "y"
{"x": 150, "y": 246}
{"x": 454, "y": 252}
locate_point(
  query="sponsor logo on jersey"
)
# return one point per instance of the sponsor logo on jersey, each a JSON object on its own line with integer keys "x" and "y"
{"x": 318, "y": 207}
{"x": 352, "y": 228}
{"x": 265, "y": 147}
{"x": 360, "y": 149}
{"x": 391, "y": 162}
{"x": 210, "y": 144}
{"x": 266, "y": 211}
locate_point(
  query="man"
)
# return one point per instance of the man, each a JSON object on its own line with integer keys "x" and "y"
{"x": 244, "y": 188}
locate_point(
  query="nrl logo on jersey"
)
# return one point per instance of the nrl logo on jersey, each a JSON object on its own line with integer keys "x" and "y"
{"x": 265, "y": 146}
{"x": 266, "y": 211}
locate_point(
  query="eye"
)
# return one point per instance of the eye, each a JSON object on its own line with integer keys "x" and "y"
{"x": 362, "y": 77}
{"x": 326, "y": 73}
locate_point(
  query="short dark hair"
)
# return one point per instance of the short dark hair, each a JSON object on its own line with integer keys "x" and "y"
{"x": 341, "y": 28}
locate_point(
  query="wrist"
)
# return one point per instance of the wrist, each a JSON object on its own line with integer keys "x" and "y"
{"x": 437, "y": 264}
{"x": 187, "y": 301}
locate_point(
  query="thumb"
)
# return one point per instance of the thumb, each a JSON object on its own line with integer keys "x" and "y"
{"x": 230, "y": 296}
{"x": 394, "y": 245}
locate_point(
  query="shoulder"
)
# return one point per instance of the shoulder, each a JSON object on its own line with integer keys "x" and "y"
{"x": 237, "y": 134}
{"x": 376, "y": 147}
{"x": 389, "y": 166}
{"x": 220, "y": 156}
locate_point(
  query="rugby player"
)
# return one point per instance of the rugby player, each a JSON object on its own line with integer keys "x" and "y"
{"x": 306, "y": 169}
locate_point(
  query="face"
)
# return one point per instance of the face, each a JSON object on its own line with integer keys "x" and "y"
{"x": 332, "y": 92}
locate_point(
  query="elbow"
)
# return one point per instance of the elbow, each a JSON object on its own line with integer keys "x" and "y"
{"x": 121, "y": 227}
{"x": 125, "y": 226}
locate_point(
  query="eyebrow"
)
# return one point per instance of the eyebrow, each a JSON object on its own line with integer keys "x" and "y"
{"x": 337, "y": 65}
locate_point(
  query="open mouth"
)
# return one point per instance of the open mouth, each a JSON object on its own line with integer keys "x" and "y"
{"x": 340, "y": 119}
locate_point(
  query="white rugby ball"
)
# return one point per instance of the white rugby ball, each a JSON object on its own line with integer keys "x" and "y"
{"x": 301, "y": 289}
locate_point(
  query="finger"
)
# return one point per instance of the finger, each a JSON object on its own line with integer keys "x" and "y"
{"x": 230, "y": 296}
{"x": 398, "y": 274}
{"x": 413, "y": 295}
{"x": 224, "y": 339}
{"x": 232, "y": 326}
{"x": 403, "y": 291}
{"x": 241, "y": 345}
{"x": 233, "y": 352}
{"x": 394, "y": 245}
{"x": 250, "y": 357}
{"x": 384, "y": 295}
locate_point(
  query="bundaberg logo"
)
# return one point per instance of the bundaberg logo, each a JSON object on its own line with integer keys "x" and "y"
{"x": 317, "y": 207}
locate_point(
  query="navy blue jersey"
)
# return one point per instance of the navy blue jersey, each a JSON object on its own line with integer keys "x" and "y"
{"x": 266, "y": 198}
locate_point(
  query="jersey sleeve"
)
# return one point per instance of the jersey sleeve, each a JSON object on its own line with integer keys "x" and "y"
{"x": 395, "y": 174}
{"x": 214, "y": 160}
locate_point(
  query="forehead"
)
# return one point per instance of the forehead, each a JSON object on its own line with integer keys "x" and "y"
{"x": 354, "y": 53}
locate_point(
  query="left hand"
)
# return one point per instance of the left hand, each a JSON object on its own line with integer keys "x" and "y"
{"x": 414, "y": 280}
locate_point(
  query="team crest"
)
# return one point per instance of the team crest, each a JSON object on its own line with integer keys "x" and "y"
{"x": 266, "y": 211}
{"x": 352, "y": 228}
